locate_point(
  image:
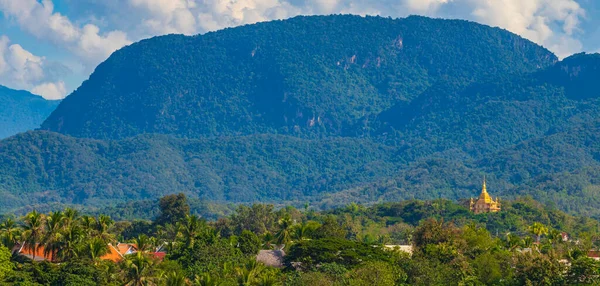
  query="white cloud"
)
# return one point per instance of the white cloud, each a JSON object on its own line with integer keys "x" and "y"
{"x": 39, "y": 19}
{"x": 535, "y": 20}
{"x": 20, "y": 69}
{"x": 50, "y": 90}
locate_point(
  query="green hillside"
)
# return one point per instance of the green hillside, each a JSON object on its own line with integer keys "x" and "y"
{"x": 307, "y": 76}
{"x": 21, "y": 111}
{"x": 283, "y": 112}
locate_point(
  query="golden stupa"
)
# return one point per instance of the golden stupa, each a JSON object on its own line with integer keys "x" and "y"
{"x": 485, "y": 203}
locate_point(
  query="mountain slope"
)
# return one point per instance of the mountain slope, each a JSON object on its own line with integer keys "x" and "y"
{"x": 427, "y": 120}
{"x": 48, "y": 167}
{"x": 307, "y": 76}
{"x": 21, "y": 111}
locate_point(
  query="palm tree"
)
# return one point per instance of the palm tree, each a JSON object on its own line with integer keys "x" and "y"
{"x": 33, "y": 230}
{"x": 72, "y": 236}
{"x": 305, "y": 230}
{"x": 284, "y": 236}
{"x": 88, "y": 224}
{"x": 103, "y": 224}
{"x": 138, "y": 269}
{"x": 191, "y": 228}
{"x": 267, "y": 279}
{"x": 175, "y": 278}
{"x": 52, "y": 239}
{"x": 69, "y": 217}
{"x": 9, "y": 233}
{"x": 249, "y": 273}
{"x": 206, "y": 279}
{"x": 538, "y": 230}
{"x": 144, "y": 243}
{"x": 96, "y": 248}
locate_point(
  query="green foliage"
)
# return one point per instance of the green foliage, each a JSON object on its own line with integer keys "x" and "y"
{"x": 307, "y": 75}
{"x": 328, "y": 109}
{"x": 173, "y": 209}
{"x": 335, "y": 250}
{"x": 6, "y": 266}
{"x": 249, "y": 243}
{"x": 453, "y": 249}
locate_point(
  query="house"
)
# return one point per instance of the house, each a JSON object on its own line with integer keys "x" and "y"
{"x": 116, "y": 253}
{"x": 38, "y": 255}
{"x": 273, "y": 258}
{"x": 594, "y": 254}
{"x": 404, "y": 248}
{"x": 485, "y": 203}
{"x": 113, "y": 254}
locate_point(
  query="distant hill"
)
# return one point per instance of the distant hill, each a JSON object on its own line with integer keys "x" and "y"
{"x": 307, "y": 76}
{"x": 328, "y": 109}
{"x": 21, "y": 111}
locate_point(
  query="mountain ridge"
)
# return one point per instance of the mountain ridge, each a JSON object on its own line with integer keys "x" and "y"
{"x": 21, "y": 111}
{"x": 227, "y": 117}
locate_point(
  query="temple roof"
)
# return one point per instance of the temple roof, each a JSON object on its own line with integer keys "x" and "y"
{"x": 484, "y": 194}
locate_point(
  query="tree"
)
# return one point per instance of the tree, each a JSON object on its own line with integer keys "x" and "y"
{"x": 249, "y": 243}
{"x": 538, "y": 230}
{"x": 33, "y": 231}
{"x": 96, "y": 248}
{"x": 53, "y": 238}
{"x": 6, "y": 267}
{"x": 330, "y": 228}
{"x": 138, "y": 269}
{"x": 284, "y": 235}
{"x": 374, "y": 274}
{"x": 9, "y": 233}
{"x": 584, "y": 271}
{"x": 173, "y": 209}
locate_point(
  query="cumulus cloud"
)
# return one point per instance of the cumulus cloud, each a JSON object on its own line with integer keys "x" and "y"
{"x": 551, "y": 23}
{"x": 21, "y": 69}
{"x": 50, "y": 90}
{"x": 39, "y": 19}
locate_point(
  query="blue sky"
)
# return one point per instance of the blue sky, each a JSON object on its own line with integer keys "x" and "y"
{"x": 50, "y": 46}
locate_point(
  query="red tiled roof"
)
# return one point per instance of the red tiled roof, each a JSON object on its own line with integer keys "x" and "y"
{"x": 27, "y": 251}
{"x": 159, "y": 255}
{"x": 112, "y": 255}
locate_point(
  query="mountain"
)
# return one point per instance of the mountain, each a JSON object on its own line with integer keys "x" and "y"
{"x": 326, "y": 109}
{"x": 21, "y": 111}
{"x": 307, "y": 76}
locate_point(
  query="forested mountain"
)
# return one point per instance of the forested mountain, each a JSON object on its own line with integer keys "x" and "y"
{"x": 329, "y": 109}
{"x": 307, "y": 76}
{"x": 21, "y": 111}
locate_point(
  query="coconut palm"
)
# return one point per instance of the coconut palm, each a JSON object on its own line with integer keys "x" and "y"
{"x": 52, "y": 239}
{"x": 175, "y": 278}
{"x": 88, "y": 224}
{"x": 249, "y": 273}
{"x": 10, "y": 233}
{"x": 70, "y": 217}
{"x": 305, "y": 230}
{"x": 205, "y": 279}
{"x": 95, "y": 249}
{"x": 102, "y": 227}
{"x": 138, "y": 270}
{"x": 284, "y": 235}
{"x": 191, "y": 228}
{"x": 144, "y": 243}
{"x": 33, "y": 230}
{"x": 72, "y": 236}
{"x": 538, "y": 230}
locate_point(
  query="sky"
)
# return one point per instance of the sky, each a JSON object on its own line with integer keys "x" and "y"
{"x": 49, "y": 47}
